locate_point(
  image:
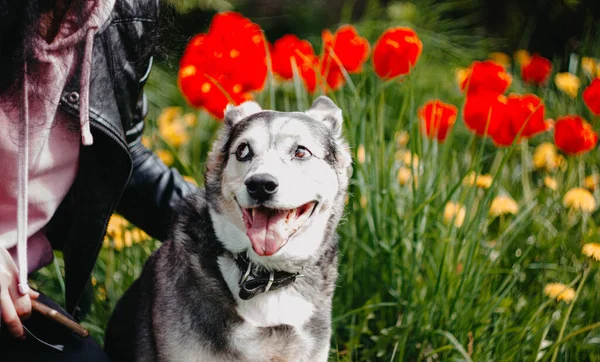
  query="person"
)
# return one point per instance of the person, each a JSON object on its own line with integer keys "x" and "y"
{"x": 72, "y": 111}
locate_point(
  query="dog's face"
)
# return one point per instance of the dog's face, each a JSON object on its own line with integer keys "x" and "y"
{"x": 274, "y": 179}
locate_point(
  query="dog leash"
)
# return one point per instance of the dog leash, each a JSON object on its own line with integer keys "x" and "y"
{"x": 255, "y": 280}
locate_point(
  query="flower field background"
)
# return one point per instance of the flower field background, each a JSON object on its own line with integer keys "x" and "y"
{"x": 471, "y": 231}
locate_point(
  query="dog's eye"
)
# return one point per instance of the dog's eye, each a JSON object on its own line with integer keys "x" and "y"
{"x": 302, "y": 152}
{"x": 243, "y": 152}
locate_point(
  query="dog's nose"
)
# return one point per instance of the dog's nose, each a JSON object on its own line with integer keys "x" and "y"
{"x": 261, "y": 187}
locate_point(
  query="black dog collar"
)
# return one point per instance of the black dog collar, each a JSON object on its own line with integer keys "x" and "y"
{"x": 255, "y": 280}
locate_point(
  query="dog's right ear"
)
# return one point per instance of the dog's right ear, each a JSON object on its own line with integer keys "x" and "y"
{"x": 234, "y": 114}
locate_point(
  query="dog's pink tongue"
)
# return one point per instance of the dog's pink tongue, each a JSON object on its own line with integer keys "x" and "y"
{"x": 268, "y": 231}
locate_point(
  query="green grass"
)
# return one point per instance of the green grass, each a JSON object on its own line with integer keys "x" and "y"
{"x": 412, "y": 287}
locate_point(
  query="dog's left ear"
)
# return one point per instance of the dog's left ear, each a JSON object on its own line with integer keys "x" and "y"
{"x": 323, "y": 109}
{"x": 234, "y": 114}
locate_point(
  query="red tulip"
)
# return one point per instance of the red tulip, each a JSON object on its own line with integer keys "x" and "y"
{"x": 396, "y": 52}
{"x": 485, "y": 112}
{"x": 351, "y": 49}
{"x": 437, "y": 118}
{"x": 537, "y": 71}
{"x": 487, "y": 75}
{"x": 330, "y": 67}
{"x": 289, "y": 49}
{"x": 526, "y": 115}
{"x": 591, "y": 96}
{"x": 573, "y": 135}
{"x": 225, "y": 64}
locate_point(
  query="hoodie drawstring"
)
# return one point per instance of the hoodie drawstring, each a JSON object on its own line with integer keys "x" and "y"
{"x": 84, "y": 88}
{"x": 23, "y": 158}
{"x": 23, "y": 191}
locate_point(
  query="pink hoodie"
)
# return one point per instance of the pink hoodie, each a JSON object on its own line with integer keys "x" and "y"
{"x": 39, "y": 152}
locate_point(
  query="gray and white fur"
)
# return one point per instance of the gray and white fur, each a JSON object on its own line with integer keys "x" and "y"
{"x": 186, "y": 306}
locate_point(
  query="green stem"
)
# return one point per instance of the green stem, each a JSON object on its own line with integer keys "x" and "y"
{"x": 525, "y": 171}
{"x": 564, "y": 325}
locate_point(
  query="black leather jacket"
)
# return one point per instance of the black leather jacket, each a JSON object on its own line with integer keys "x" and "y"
{"x": 117, "y": 171}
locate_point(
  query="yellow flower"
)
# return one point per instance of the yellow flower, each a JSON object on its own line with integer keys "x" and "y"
{"x": 172, "y": 127}
{"x": 588, "y": 65}
{"x": 404, "y": 175}
{"x": 592, "y": 250}
{"x": 166, "y": 156}
{"x": 360, "y": 154}
{"x": 559, "y": 292}
{"x": 402, "y": 139}
{"x": 551, "y": 183}
{"x": 407, "y": 158}
{"x": 454, "y": 211}
{"x": 500, "y": 58}
{"x": 481, "y": 181}
{"x": 190, "y": 179}
{"x": 522, "y": 57}
{"x": 94, "y": 281}
{"x": 147, "y": 142}
{"x": 503, "y": 205}
{"x": 579, "y": 199}
{"x": 546, "y": 157}
{"x": 460, "y": 75}
{"x": 568, "y": 83}
{"x": 190, "y": 119}
{"x": 363, "y": 201}
{"x": 591, "y": 182}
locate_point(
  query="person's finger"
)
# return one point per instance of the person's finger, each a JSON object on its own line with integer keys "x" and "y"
{"x": 33, "y": 294}
{"x": 22, "y": 303}
{"x": 10, "y": 318}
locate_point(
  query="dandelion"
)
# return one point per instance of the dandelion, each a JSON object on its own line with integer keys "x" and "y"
{"x": 147, "y": 142}
{"x": 402, "y": 139}
{"x": 404, "y": 175}
{"x": 363, "y": 201}
{"x": 396, "y": 52}
{"x": 166, "y": 156}
{"x": 559, "y": 292}
{"x": 500, "y": 58}
{"x": 591, "y": 182}
{"x": 360, "y": 154}
{"x": 588, "y": 65}
{"x": 407, "y": 158}
{"x": 579, "y": 199}
{"x": 454, "y": 211}
{"x": 481, "y": 181}
{"x": 503, "y": 205}
{"x": 550, "y": 182}
{"x": 591, "y": 250}
{"x": 546, "y": 157}
{"x": 574, "y": 136}
{"x": 568, "y": 83}
{"x": 522, "y": 56}
{"x": 437, "y": 118}
{"x": 190, "y": 119}
{"x": 591, "y": 96}
{"x": 171, "y": 126}
{"x": 537, "y": 70}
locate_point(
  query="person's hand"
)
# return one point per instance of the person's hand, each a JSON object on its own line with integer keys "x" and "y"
{"x": 13, "y": 305}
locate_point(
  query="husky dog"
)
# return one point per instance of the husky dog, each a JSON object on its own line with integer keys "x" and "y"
{"x": 249, "y": 270}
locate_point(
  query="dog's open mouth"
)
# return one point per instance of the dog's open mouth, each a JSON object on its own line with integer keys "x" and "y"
{"x": 269, "y": 229}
